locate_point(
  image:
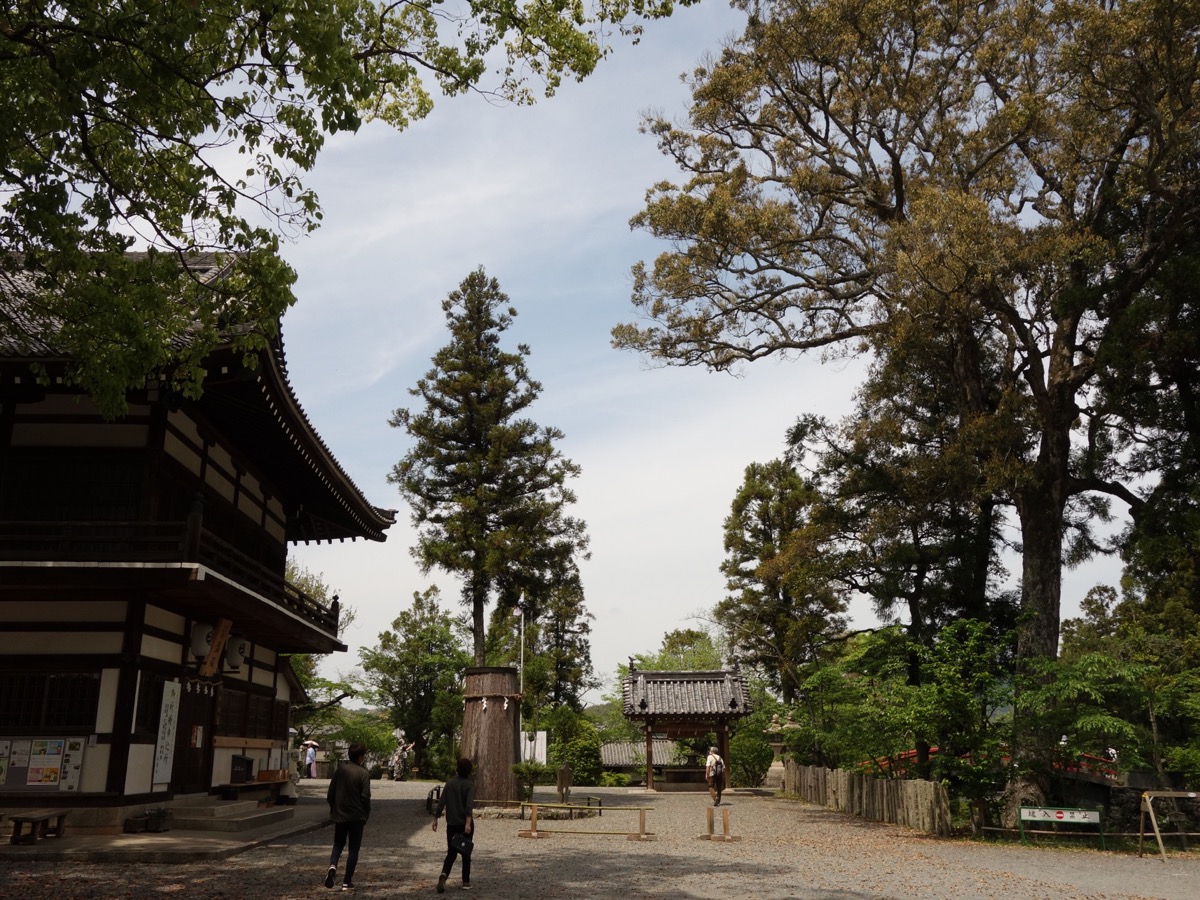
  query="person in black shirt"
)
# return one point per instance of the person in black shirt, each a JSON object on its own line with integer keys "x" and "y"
{"x": 458, "y": 800}
{"x": 349, "y": 799}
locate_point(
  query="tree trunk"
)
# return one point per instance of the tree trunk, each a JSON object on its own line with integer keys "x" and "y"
{"x": 478, "y": 590}
{"x": 1040, "y": 506}
{"x": 490, "y": 736}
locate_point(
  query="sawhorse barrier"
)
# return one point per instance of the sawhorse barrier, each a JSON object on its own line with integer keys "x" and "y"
{"x": 1148, "y": 807}
{"x": 534, "y": 832}
{"x": 1059, "y": 815}
{"x": 724, "y": 835}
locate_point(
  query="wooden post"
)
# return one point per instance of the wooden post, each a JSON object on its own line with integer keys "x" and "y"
{"x": 710, "y": 811}
{"x": 649, "y": 758}
{"x": 216, "y": 650}
{"x": 491, "y": 736}
{"x": 725, "y": 823}
{"x": 642, "y": 823}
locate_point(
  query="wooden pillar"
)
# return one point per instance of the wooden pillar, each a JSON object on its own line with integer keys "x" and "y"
{"x": 491, "y": 737}
{"x": 649, "y": 757}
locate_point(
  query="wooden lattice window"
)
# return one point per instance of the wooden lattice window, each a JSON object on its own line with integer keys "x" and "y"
{"x": 231, "y": 714}
{"x": 44, "y": 701}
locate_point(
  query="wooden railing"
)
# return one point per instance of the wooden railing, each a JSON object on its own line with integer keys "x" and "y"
{"x": 924, "y": 805}
{"x": 157, "y": 542}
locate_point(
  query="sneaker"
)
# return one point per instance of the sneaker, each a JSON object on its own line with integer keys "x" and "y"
{"x": 330, "y": 876}
{"x": 347, "y": 887}
{"x": 441, "y": 887}
{"x": 466, "y": 885}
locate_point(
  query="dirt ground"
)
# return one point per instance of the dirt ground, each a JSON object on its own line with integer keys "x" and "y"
{"x": 786, "y": 850}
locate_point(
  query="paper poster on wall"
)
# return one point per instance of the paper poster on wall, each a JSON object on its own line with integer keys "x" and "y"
{"x": 72, "y": 765}
{"x": 20, "y": 755}
{"x": 3, "y": 770}
{"x": 5, "y": 749}
{"x": 45, "y": 762}
{"x": 164, "y": 753}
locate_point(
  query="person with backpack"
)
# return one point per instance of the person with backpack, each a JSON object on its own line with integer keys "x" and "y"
{"x": 714, "y": 774}
{"x": 458, "y": 801}
{"x": 349, "y": 798}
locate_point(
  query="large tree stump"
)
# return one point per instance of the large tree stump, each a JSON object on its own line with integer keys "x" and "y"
{"x": 491, "y": 736}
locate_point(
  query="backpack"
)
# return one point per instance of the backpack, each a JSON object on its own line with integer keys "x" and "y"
{"x": 718, "y": 768}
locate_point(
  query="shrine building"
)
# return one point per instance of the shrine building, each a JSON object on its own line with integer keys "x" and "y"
{"x": 145, "y": 619}
{"x": 674, "y": 706}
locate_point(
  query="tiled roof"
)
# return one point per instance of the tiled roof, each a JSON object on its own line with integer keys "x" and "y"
{"x": 685, "y": 695}
{"x": 628, "y": 754}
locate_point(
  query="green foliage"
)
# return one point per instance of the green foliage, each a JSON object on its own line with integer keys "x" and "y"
{"x": 750, "y": 757}
{"x": 415, "y": 672}
{"x": 532, "y": 773}
{"x": 488, "y": 488}
{"x": 615, "y": 779}
{"x": 557, "y": 659}
{"x": 780, "y": 607}
{"x": 371, "y": 728}
{"x": 845, "y": 191}
{"x": 191, "y": 126}
{"x": 580, "y": 749}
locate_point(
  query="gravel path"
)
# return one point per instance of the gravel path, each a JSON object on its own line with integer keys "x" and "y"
{"x": 787, "y": 850}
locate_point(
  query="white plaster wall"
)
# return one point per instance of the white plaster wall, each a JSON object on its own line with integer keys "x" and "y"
{"x": 157, "y": 648}
{"x": 63, "y": 611}
{"x": 141, "y": 770}
{"x": 94, "y": 777}
{"x": 166, "y": 620}
{"x": 42, "y": 643}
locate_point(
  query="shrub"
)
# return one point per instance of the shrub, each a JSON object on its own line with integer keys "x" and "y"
{"x": 750, "y": 757}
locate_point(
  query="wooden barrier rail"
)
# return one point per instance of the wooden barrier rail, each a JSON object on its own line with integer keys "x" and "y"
{"x": 725, "y": 832}
{"x": 1148, "y": 808}
{"x": 534, "y": 832}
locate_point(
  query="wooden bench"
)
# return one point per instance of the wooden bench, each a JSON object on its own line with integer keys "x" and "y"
{"x": 268, "y": 780}
{"x": 38, "y": 821}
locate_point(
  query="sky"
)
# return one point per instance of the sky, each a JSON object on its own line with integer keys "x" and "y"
{"x": 541, "y": 198}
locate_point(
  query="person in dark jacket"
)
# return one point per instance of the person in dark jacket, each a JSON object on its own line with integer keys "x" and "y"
{"x": 349, "y": 799}
{"x": 458, "y": 801}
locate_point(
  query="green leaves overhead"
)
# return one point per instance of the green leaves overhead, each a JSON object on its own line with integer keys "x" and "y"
{"x": 188, "y": 127}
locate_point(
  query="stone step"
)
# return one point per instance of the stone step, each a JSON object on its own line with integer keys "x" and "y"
{"x": 246, "y": 820}
{"x": 215, "y": 808}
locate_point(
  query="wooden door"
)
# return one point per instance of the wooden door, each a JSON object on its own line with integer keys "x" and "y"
{"x": 192, "y": 772}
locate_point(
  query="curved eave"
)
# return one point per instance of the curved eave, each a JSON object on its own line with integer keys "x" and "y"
{"x": 260, "y": 410}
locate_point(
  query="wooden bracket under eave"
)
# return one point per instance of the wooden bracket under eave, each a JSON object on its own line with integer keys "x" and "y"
{"x": 216, "y": 650}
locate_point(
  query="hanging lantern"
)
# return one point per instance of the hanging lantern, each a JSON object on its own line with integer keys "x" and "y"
{"x": 201, "y": 639}
{"x": 235, "y": 653}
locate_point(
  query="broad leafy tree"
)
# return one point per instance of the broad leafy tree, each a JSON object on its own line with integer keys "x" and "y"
{"x": 322, "y": 712}
{"x": 189, "y": 127}
{"x": 1013, "y": 175}
{"x": 415, "y": 672}
{"x": 488, "y": 486}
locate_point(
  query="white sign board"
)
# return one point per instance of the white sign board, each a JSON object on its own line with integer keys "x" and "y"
{"x": 164, "y": 753}
{"x": 1055, "y": 814}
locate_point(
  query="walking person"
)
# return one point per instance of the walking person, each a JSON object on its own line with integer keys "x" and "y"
{"x": 349, "y": 798}
{"x": 310, "y": 759}
{"x": 458, "y": 800}
{"x": 714, "y": 774}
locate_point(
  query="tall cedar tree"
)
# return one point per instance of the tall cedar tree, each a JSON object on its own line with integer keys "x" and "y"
{"x": 488, "y": 489}
{"x": 775, "y": 617}
{"x": 1012, "y": 174}
{"x": 118, "y": 122}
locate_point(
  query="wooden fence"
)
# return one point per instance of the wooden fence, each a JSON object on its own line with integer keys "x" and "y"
{"x": 923, "y": 805}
